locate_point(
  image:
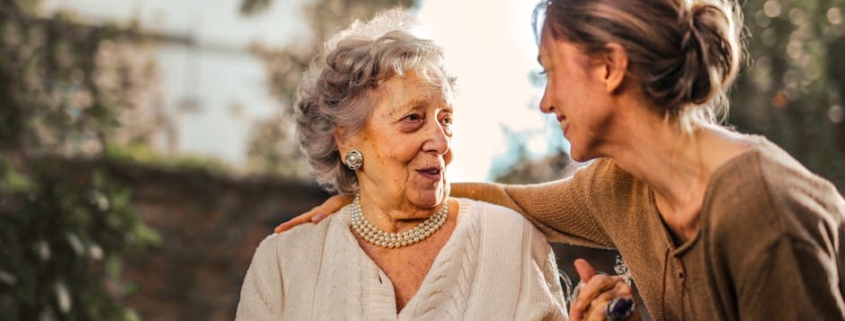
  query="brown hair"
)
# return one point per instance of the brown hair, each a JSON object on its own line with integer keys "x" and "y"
{"x": 685, "y": 53}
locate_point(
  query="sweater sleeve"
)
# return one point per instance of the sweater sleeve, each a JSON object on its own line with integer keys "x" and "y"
{"x": 261, "y": 293}
{"x": 562, "y": 210}
{"x": 793, "y": 280}
{"x": 797, "y": 276}
{"x": 778, "y": 229}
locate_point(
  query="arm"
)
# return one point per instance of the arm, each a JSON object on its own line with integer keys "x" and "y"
{"x": 318, "y": 213}
{"x": 793, "y": 280}
{"x": 563, "y": 210}
{"x": 261, "y": 293}
{"x": 777, "y": 242}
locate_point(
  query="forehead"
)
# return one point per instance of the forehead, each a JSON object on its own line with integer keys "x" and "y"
{"x": 412, "y": 90}
{"x": 557, "y": 51}
{"x": 546, "y": 44}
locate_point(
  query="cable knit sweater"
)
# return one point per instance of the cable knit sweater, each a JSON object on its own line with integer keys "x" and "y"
{"x": 495, "y": 266}
{"x": 769, "y": 245}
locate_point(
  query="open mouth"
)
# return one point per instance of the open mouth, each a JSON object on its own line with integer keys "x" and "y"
{"x": 434, "y": 172}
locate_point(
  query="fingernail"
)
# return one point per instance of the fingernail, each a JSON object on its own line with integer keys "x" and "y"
{"x": 317, "y": 217}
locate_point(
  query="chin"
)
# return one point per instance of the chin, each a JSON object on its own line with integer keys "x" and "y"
{"x": 427, "y": 198}
{"x": 580, "y": 156}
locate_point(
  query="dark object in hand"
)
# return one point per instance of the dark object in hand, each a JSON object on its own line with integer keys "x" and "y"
{"x": 619, "y": 309}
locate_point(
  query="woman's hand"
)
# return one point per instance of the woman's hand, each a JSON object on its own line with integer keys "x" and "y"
{"x": 596, "y": 291}
{"x": 318, "y": 213}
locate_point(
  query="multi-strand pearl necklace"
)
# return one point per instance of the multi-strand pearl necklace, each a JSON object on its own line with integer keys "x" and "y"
{"x": 378, "y": 237}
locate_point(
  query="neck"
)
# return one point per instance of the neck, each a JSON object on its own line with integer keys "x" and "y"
{"x": 379, "y": 237}
{"x": 676, "y": 165}
{"x": 394, "y": 217}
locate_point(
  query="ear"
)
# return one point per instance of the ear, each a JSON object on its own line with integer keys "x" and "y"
{"x": 615, "y": 66}
{"x": 340, "y": 139}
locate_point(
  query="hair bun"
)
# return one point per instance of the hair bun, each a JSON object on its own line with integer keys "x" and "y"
{"x": 710, "y": 54}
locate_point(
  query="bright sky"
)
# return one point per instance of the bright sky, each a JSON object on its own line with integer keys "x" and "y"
{"x": 492, "y": 52}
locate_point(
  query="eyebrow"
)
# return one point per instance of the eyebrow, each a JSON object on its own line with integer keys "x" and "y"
{"x": 417, "y": 103}
{"x": 414, "y": 103}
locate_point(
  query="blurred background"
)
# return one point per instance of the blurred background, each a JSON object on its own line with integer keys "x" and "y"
{"x": 146, "y": 146}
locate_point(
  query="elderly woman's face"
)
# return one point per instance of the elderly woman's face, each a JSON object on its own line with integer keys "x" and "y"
{"x": 406, "y": 144}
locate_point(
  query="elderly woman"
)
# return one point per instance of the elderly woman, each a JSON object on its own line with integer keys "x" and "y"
{"x": 374, "y": 118}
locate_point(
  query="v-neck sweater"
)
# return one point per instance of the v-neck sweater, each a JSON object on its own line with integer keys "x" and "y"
{"x": 495, "y": 266}
{"x": 769, "y": 244}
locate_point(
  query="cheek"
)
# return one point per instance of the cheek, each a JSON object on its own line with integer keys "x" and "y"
{"x": 394, "y": 153}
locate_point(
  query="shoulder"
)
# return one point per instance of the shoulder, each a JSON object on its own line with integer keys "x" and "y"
{"x": 487, "y": 213}
{"x": 304, "y": 239}
{"x": 500, "y": 222}
{"x": 768, "y": 192}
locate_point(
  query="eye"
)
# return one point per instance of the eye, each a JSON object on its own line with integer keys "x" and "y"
{"x": 411, "y": 122}
{"x": 447, "y": 120}
{"x": 447, "y": 124}
{"x": 414, "y": 117}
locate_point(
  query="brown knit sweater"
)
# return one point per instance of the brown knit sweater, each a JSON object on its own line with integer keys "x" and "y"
{"x": 769, "y": 245}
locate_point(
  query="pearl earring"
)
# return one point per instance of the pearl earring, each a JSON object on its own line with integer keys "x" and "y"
{"x": 353, "y": 159}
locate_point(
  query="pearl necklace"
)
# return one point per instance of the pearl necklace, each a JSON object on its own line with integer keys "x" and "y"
{"x": 378, "y": 237}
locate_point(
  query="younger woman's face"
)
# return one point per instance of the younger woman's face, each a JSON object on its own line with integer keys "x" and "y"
{"x": 575, "y": 94}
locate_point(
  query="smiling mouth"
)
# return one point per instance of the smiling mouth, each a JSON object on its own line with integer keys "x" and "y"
{"x": 432, "y": 172}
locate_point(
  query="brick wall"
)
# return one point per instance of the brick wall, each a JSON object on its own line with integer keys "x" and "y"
{"x": 210, "y": 226}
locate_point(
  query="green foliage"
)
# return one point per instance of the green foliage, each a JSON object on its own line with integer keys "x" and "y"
{"x": 145, "y": 154}
{"x": 67, "y": 87}
{"x": 791, "y": 90}
{"x": 63, "y": 231}
{"x": 58, "y": 242}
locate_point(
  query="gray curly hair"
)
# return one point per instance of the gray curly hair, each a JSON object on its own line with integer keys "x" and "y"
{"x": 339, "y": 89}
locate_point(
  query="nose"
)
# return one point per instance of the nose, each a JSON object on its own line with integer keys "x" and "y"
{"x": 439, "y": 138}
{"x": 545, "y": 104}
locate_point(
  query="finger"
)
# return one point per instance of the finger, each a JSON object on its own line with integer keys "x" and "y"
{"x": 584, "y": 269}
{"x": 301, "y": 219}
{"x": 316, "y": 214}
{"x": 590, "y": 290}
{"x": 597, "y": 310}
{"x": 598, "y": 306}
{"x": 331, "y": 205}
{"x": 576, "y": 313}
{"x": 585, "y": 273}
{"x": 623, "y": 290}
{"x": 335, "y": 203}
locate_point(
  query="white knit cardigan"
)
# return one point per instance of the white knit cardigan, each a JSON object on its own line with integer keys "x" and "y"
{"x": 495, "y": 266}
